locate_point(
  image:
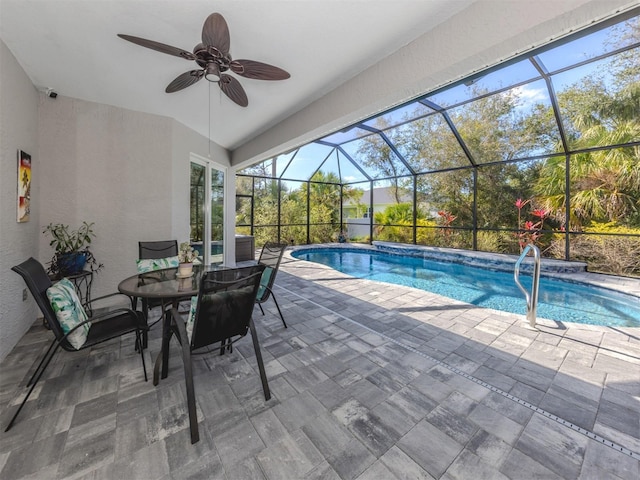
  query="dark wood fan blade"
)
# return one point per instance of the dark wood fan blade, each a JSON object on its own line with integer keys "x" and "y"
{"x": 215, "y": 33}
{"x": 232, "y": 89}
{"x": 258, "y": 70}
{"x": 184, "y": 80}
{"x": 160, "y": 47}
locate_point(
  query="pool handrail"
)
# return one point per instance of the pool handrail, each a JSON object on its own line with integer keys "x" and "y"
{"x": 531, "y": 299}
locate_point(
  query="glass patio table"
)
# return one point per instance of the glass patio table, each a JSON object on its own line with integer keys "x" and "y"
{"x": 165, "y": 285}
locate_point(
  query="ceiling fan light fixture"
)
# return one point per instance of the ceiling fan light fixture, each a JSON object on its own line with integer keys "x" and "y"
{"x": 212, "y": 72}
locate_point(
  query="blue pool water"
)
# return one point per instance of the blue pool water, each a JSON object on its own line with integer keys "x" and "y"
{"x": 557, "y": 300}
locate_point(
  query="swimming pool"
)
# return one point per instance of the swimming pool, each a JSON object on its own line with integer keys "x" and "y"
{"x": 558, "y": 300}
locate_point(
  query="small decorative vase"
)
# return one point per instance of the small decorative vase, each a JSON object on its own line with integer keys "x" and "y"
{"x": 185, "y": 269}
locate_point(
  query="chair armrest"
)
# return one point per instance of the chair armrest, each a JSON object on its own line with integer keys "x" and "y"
{"x": 105, "y": 317}
{"x": 110, "y": 305}
{"x": 74, "y": 329}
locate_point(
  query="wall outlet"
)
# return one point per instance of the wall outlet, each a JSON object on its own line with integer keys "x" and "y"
{"x": 24, "y": 295}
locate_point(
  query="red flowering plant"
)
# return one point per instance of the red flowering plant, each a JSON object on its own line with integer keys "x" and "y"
{"x": 446, "y": 219}
{"x": 530, "y": 232}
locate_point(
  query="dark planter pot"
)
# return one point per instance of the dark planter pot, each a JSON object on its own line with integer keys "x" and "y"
{"x": 71, "y": 263}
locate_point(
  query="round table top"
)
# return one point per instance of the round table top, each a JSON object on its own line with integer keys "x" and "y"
{"x": 162, "y": 283}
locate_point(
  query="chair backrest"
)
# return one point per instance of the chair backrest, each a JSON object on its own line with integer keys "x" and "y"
{"x": 270, "y": 257}
{"x": 38, "y": 282}
{"x": 225, "y": 303}
{"x": 159, "y": 249}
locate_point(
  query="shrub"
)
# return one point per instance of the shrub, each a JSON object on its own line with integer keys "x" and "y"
{"x": 612, "y": 254}
{"x": 498, "y": 242}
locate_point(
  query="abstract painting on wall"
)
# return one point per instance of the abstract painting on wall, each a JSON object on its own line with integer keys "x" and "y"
{"x": 24, "y": 186}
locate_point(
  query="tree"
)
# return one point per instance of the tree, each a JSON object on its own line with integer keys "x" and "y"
{"x": 494, "y": 130}
{"x": 381, "y": 161}
{"x": 395, "y": 223}
{"x": 604, "y": 184}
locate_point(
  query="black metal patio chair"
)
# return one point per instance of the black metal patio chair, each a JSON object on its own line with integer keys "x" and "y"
{"x": 270, "y": 257}
{"x": 225, "y": 303}
{"x": 109, "y": 324}
{"x": 158, "y": 249}
{"x": 150, "y": 251}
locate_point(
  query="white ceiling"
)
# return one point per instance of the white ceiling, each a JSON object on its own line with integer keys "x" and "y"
{"x": 72, "y": 47}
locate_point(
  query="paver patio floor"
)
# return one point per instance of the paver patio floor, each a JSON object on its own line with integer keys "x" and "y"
{"x": 370, "y": 381}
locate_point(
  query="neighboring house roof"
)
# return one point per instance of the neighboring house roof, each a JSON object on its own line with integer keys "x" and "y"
{"x": 381, "y": 196}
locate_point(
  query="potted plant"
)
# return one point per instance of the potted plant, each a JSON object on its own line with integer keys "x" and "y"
{"x": 186, "y": 256}
{"x": 71, "y": 249}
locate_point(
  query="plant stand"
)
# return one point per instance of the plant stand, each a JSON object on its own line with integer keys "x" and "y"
{"x": 83, "y": 281}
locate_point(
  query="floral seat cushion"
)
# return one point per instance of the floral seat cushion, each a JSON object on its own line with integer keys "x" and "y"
{"x": 264, "y": 281}
{"x": 150, "y": 264}
{"x": 69, "y": 311}
{"x": 192, "y": 316}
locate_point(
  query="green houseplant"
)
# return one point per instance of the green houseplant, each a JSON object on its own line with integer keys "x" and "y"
{"x": 71, "y": 249}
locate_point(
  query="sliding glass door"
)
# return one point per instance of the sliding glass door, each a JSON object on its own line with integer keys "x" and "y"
{"x": 207, "y": 210}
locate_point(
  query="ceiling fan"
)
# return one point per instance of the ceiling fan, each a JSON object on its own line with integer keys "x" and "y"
{"x": 213, "y": 56}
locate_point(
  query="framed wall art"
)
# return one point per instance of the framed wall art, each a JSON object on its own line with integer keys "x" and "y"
{"x": 24, "y": 186}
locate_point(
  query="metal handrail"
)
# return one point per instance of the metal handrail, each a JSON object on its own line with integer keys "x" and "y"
{"x": 531, "y": 299}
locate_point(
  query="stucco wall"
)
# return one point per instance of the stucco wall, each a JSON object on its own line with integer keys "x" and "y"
{"x": 126, "y": 171}
{"x": 18, "y": 241}
{"x": 109, "y": 166}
